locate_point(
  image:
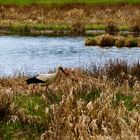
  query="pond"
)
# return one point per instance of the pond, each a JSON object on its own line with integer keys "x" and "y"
{"x": 33, "y": 55}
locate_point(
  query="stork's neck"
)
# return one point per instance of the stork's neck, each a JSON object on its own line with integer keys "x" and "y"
{"x": 57, "y": 72}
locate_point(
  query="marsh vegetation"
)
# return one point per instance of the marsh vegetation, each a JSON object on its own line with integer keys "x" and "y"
{"x": 97, "y": 103}
{"x": 76, "y": 18}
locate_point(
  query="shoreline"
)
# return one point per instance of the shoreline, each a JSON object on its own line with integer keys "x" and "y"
{"x": 33, "y": 31}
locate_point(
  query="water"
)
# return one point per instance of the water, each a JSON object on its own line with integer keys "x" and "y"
{"x": 34, "y": 55}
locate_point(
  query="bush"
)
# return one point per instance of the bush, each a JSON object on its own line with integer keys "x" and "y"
{"x": 119, "y": 41}
{"x": 111, "y": 28}
{"x": 107, "y": 40}
{"x": 131, "y": 42}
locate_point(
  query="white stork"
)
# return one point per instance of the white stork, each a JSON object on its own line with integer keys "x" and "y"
{"x": 45, "y": 79}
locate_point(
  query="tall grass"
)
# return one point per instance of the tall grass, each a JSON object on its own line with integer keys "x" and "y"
{"x": 97, "y": 103}
{"x": 26, "y": 2}
{"x": 77, "y": 18}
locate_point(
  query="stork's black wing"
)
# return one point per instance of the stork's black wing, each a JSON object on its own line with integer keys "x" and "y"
{"x": 34, "y": 80}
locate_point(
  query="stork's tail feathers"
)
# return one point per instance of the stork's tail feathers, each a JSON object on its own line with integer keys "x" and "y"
{"x": 33, "y": 80}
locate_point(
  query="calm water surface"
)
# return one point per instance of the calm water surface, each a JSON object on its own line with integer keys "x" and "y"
{"x": 34, "y": 55}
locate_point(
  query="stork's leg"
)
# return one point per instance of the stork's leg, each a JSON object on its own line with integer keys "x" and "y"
{"x": 46, "y": 88}
{"x": 33, "y": 88}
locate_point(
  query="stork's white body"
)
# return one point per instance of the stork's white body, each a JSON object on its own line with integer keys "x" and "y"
{"x": 45, "y": 78}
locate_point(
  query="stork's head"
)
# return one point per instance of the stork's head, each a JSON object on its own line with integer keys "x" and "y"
{"x": 61, "y": 69}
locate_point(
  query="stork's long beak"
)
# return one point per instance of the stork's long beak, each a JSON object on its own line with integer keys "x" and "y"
{"x": 64, "y": 72}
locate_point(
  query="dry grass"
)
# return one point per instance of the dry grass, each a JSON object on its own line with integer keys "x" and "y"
{"x": 33, "y": 15}
{"x": 99, "y": 103}
{"x": 107, "y": 40}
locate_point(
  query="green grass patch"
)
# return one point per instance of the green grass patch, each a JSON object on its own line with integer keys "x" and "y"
{"x": 90, "y": 95}
{"x": 29, "y": 29}
{"x": 128, "y": 101}
{"x": 33, "y": 105}
{"x": 95, "y": 27}
{"x": 103, "y": 26}
{"x": 20, "y": 29}
{"x": 28, "y": 2}
{"x": 31, "y": 121}
{"x": 124, "y": 28}
{"x": 15, "y": 130}
{"x": 8, "y": 129}
{"x": 50, "y": 27}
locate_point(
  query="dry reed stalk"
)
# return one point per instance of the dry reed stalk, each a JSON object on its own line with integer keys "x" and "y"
{"x": 80, "y": 106}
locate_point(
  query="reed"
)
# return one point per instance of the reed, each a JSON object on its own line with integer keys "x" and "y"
{"x": 20, "y": 29}
{"x": 87, "y": 16}
{"x": 98, "y": 103}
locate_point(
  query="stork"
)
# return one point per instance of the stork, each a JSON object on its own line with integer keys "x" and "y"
{"x": 45, "y": 79}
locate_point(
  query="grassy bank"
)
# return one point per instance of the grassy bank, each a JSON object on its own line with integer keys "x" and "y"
{"x": 73, "y": 17}
{"x": 97, "y": 103}
{"x": 107, "y": 40}
{"x": 50, "y": 2}
{"x": 57, "y": 29}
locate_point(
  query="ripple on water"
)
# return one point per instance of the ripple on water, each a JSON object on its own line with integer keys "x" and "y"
{"x": 38, "y": 54}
